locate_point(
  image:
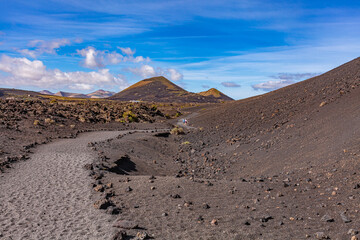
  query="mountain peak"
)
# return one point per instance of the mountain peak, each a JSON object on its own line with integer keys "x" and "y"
{"x": 213, "y": 92}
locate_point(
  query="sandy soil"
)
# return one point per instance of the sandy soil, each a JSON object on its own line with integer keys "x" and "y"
{"x": 49, "y": 196}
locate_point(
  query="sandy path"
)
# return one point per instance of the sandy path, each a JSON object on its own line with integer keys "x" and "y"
{"x": 49, "y": 196}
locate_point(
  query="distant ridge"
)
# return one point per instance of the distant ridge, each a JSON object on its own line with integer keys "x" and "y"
{"x": 160, "y": 89}
{"x": 46, "y": 92}
{"x": 97, "y": 94}
{"x": 73, "y": 95}
{"x": 100, "y": 94}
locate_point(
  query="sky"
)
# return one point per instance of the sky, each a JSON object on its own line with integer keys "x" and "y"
{"x": 241, "y": 47}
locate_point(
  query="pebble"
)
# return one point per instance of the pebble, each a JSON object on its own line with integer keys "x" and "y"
{"x": 321, "y": 235}
{"x": 125, "y": 224}
{"x": 120, "y": 235}
{"x": 327, "y": 218}
{"x": 153, "y": 188}
{"x": 175, "y": 196}
{"x": 344, "y": 217}
{"x": 141, "y": 236}
{"x": 266, "y": 218}
{"x": 128, "y": 189}
{"x": 102, "y": 204}
{"x": 206, "y": 206}
{"x": 214, "y": 222}
{"x": 164, "y": 214}
{"x": 352, "y": 232}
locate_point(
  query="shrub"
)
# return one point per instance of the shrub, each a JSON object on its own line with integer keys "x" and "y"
{"x": 185, "y": 143}
{"x": 130, "y": 116}
{"x": 177, "y": 131}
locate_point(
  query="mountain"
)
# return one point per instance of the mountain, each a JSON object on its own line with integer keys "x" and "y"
{"x": 8, "y": 92}
{"x": 159, "y": 89}
{"x": 72, "y": 95}
{"x": 100, "y": 94}
{"x": 46, "y": 92}
{"x": 213, "y": 92}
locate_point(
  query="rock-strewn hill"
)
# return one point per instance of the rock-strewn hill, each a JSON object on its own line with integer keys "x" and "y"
{"x": 160, "y": 89}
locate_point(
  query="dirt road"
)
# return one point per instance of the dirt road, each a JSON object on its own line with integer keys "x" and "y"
{"x": 49, "y": 196}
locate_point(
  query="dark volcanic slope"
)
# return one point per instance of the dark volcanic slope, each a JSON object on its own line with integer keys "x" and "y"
{"x": 308, "y": 121}
{"x": 212, "y": 92}
{"x": 160, "y": 89}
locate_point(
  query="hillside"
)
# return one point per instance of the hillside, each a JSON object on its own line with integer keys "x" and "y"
{"x": 212, "y": 92}
{"x": 160, "y": 89}
{"x": 297, "y": 150}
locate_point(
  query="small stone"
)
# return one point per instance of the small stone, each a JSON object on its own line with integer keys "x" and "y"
{"x": 344, "y": 217}
{"x": 109, "y": 185}
{"x": 352, "y": 232}
{"x": 120, "y": 235}
{"x": 164, "y": 214}
{"x": 321, "y": 235}
{"x": 153, "y": 188}
{"x": 206, "y": 206}
{"x": 128, "y": 189}
{"x": 99, "y": 188}
{"x": 266, "y": 218}
{"x": 187, "y": 204}
{"x": 327, "y": 218}
{"x": 141, "y": 236}
{"x": 102, "y": 204}
{"x": 152, "y": 177}
{"x": 354, "y": 238}
{"x": 333, "y": 193}
{"x": 357, "y": 186}
{"x": 247, "y": 223}
{"x": 200, "y": 219}
{"x": 214, "y": 222}
{"x": 281, "y": 223}
{"x": 113, "y": 210}
{"x": 125, "y": 224}
{"x": 175, "y": 196}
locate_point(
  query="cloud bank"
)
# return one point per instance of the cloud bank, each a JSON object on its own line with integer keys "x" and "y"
{"x": 24, "y": 72}
{"x": 39, "y": 47}
{"x": 99, "y": 59}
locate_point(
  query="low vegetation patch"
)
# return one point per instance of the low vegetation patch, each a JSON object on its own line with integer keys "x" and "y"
{"x": 177, "y": 131}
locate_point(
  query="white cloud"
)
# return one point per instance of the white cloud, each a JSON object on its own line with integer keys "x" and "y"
{"x": 174, "y": 75}
{"x": 144, "y": 71}
{"x": 272, "y": 85}
{"x": 24, "y": 72}
{"x": 127, "y": 51}
{"x": 81, "y": 86}
{"x": 39, "y": 47}
{"x": 147, "y": 71}
{"x": 93, "y": 58}
{"x": 230, "y": 84}
{"x": 99, "y": 59}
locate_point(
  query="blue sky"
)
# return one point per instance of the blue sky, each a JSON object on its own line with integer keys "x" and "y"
{"x": 243, "y": 47}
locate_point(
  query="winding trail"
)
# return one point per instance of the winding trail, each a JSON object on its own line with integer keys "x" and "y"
{"x": 49, "y": 196}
